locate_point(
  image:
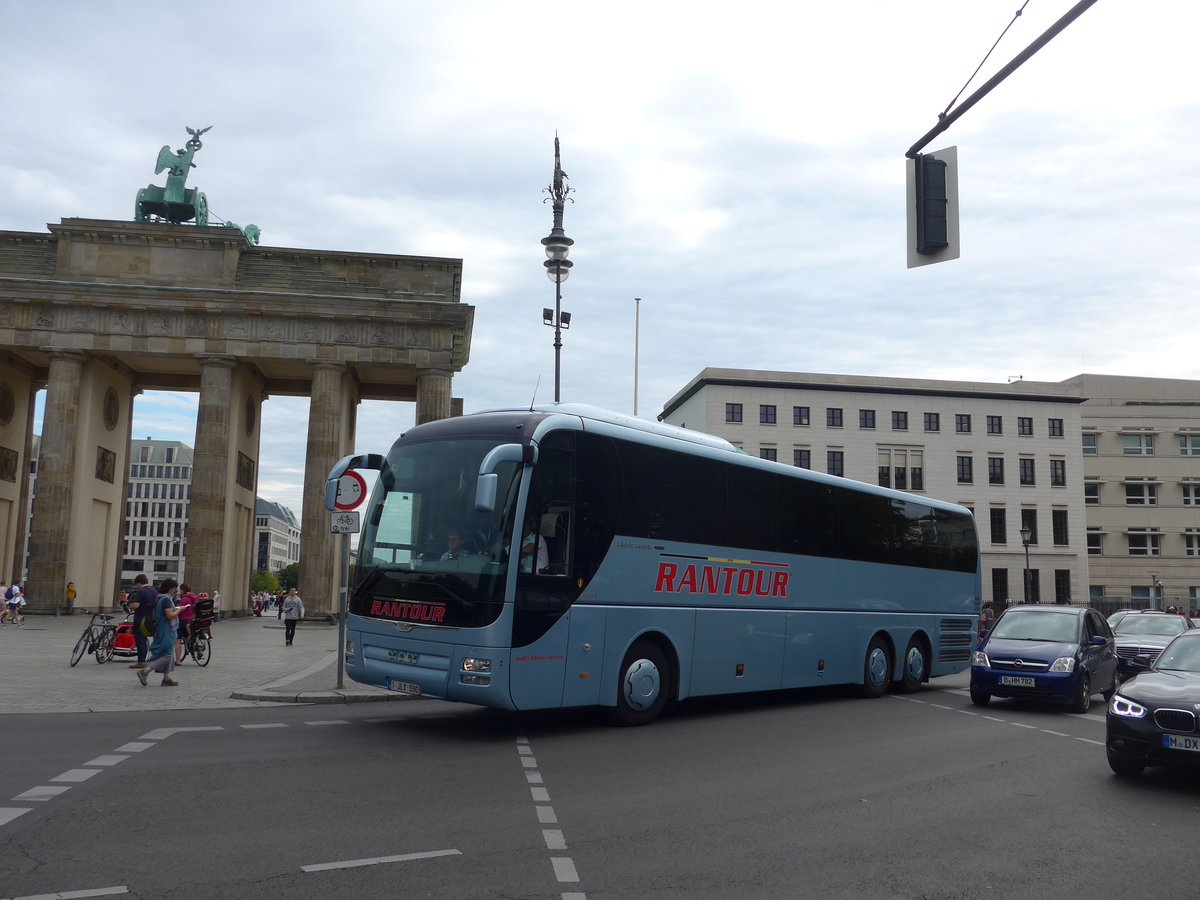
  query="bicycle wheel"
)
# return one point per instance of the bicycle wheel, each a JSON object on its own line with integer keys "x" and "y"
{"x": 81, "y": 646}
{"x": 201, "y": 649}
{"x": 104, "y": 647}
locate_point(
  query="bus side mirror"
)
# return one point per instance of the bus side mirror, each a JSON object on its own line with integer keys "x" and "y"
{"x": 488, "y": 482}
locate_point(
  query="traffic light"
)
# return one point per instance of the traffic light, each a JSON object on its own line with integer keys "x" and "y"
{"x": 933, "y": 207}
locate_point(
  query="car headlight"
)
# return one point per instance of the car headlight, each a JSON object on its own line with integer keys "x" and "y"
{"x": 979, "y": 658}
{"x": 1127, "y": 709}
{"x": 1063, "y": 664}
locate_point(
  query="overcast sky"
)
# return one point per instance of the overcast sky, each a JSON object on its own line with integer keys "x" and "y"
{"x": 738, "y": 166}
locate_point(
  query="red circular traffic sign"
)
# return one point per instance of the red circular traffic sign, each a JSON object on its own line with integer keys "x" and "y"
{"x": 352, "y": 490}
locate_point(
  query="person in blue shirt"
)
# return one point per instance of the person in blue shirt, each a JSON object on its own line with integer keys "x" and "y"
{"x": 142, "y": 604}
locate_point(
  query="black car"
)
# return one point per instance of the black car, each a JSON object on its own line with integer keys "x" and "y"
{"x": 1141, "y": 636}
{"x": 1154, "y": 718}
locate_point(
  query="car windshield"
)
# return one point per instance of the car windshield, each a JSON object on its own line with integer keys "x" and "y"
{"x": 1027, "y": 625}
{"x": 1181, "y": 655}
{"x": 1151, "y": 625}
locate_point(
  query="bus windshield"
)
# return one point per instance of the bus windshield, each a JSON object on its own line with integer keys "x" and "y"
{"x": 426, "y": 554}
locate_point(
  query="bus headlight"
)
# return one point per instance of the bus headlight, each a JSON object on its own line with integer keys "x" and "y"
{"x": 350, "y": 651}
{"x": 474, "y": 664}
{"x": 1063, "y": 664}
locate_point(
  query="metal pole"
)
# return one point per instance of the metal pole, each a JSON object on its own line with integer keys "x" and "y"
{"x": 342, "y": 606}
{"x": 557, "y": 338}
{"x": 637, "y": 332}
{"x": 1026, "y": 571}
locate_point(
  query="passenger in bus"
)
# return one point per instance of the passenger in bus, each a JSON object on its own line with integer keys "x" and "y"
{"x": 530, "y": 547}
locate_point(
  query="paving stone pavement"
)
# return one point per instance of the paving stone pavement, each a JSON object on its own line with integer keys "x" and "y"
{"x": 250, "y": 666}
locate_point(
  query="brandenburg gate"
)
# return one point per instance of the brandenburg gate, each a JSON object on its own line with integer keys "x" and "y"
{"x": 96, "y": 311}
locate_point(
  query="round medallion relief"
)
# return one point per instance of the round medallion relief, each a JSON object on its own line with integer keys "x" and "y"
{"x": 112, "y": 409}
{"x": 250, "y": 416}
{"x": 8, "y": 403}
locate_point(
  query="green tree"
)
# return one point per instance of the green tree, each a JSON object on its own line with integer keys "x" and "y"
{"x": 289, "y": 576}
{"x": 264, "y": 581}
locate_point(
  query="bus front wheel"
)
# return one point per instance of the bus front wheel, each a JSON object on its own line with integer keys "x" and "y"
{"x": 644, "y": 686}
{"x": 877, "y": 669}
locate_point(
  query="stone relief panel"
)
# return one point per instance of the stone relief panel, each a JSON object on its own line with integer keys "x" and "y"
{"x": 245, "y": 471}
{"x": 106, "y": 465}
{"x": 8, "y": 465}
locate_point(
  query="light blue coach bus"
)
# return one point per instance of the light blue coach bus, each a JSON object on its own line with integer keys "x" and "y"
{"x": 563, "y": 555}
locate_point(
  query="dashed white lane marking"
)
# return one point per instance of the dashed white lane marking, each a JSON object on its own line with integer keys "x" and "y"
{"x": 109, "y": 760}
{"x": 564, "y": 869}
{"x": 1009, "y": 722}
{"x": 378, "y": 860}
{"x": 135, "y": 746}
{"x": 8, "y": 813}
{"x": 161, "y": 734}
{"x": 1090, "y": 741}
{"x": 564, "y": 866}
{"x": 71, "y": 895}
{"x": 76, "y": 775}
{"x": 554, "y": 839}
{"x": 329, "y": 722}
{"x": 43, "y": 792}
{"x": 266, "y": 725}
{"x": 546, "y": 815}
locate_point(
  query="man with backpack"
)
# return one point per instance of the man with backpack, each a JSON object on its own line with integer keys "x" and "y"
{"x": 142, "y": 603}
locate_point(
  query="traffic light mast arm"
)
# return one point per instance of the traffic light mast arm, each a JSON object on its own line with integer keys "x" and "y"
{"x": 946, "y": 120}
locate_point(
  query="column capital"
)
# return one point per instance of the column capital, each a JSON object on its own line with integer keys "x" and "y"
{"x": 68, "y": 354}
{"x": 217, "y": 359}
{"x": 329, "y": 365}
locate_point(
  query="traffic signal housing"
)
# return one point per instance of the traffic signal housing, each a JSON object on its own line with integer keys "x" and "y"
{"x": 932, "y": 192}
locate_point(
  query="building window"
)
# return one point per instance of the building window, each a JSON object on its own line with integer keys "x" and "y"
{"x": 1058, "y": 524}
{"x": 899, "y": 421}
{"x": 733, "y": 412}
{"x": 1141, "y": 493}
{"x": 835, "y": 461}
{"x": 144, "y": 454}
{"x": 1138, "y": 444}
{"x": 962, "y": 423}
{"x": 866, "y": 418}
{"x": 1000, "y": 585}
{"x": 1191, "y": 540}
{"x": 1144, "y": 542}
{"x": 1089, "y": 444}
{"x": 1191, "y": 493}
{"x": 1054, "y": 427}
{"x": 1058, "y": 472}
{"x": 1062, "y": 585}
{"x": 1025, "y": 471}
{"x": 902, "y": 469}
{"x": 1029, "y": 520}
{"x": 1095, "y": 542}
{"x": 1091, "y": 492}
{"x": 833, "y": 417}
{"x": 999, "y": 528}
{"x": 768, "y": 453}
{"x": 933, "y": 422}
{"x": 1024, "y": 425}
{"x": 799, "y": 415}
{"x": 966, "y": 470}
{"x": 766, "y": 415}
{"x": 995, "y": 425}
{"x": 802, "y": 459}
{"x": 1189, "y": 445}
{"x": 995, "y": 470}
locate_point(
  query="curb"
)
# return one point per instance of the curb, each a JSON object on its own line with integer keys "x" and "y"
{"x": 315, "y": 697}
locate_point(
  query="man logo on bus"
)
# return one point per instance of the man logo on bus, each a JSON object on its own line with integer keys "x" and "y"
{"x": 710, "y": 579}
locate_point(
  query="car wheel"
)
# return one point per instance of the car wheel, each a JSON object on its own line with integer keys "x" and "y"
{"x": 1126, "y": 768}
{"x": 1083, "y": 701}
{"x": 644, "y": 686}
{"x": 915, "y": 665}
{"x": 980, "y": 698}
{"x": 876, "y": 669}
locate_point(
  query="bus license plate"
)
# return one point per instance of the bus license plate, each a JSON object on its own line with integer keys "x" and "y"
{"x": 1175, "y": 742}
{"x": 1018, "y": 681}
{"x": 404, "y": 687}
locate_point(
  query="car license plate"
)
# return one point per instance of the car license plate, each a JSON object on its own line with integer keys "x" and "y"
{"x": 1178, "y": 742}
{"x": 404, "y": 687}
{"x": 1018, "y": 681}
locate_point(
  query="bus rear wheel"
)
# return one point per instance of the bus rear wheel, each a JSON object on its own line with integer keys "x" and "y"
{"x": 644, "y": 685}
{"x": 915, "y": 665}
{"x": 877, "y": 669}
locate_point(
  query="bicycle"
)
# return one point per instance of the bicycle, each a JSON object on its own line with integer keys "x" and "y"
{"x": 198, "y": 644}
{"x": 15, "y": 617}
{"x": 98, "y": 638}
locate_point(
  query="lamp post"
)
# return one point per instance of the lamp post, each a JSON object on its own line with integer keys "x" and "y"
{"x": 1155, "y": 591}
{"x": 558, "y": 267}
{"x": 1026, "y": 536}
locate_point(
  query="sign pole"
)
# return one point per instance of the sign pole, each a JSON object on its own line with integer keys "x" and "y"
{"x": 342, "y": 608}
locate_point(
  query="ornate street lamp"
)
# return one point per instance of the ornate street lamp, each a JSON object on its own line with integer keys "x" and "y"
{"x": 558, "y": 267}
{"x": 1026, "y": 536}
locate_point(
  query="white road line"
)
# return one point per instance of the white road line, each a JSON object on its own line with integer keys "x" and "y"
{"x": 525, "y": 750}
{"x": 378, "y": 860}
{"x": 329, "y": 722}
{"x": 1055, "y": 733}
{"x": 76, "y": 775}
{"x": 71, "y": 895}
{"x": 1090, "y": 741}
{"x": 136, "y": 746}
{"x": 564, "y": 868}
{"x": 529, "y": 762}
{"x": 267, "y": 725}
{"x": 533, "y": 777}
{"x": 539, "y": 795}
{"x": 554, "y": 839}
{"x": 160, "y": 734}
{"x": 1023, "y": 725}
{"x": 8, "y": 813}
{"x": 110, "y": 760}
{"x": 546, "y": 815}
{"x": 43, "y": 792}
{"x": 574, "y": 895}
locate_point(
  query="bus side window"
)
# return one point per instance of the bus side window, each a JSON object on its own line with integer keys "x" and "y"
{"x": 555, "y": 531}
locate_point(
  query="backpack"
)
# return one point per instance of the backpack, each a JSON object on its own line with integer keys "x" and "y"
{"x": 149, "y": 623}
{"x": 11, "y": 592}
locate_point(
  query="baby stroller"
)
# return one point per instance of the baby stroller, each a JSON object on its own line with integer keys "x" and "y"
{"x": 123, "y": 643}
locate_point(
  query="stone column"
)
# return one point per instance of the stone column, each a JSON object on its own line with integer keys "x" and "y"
{"x": 50, "y": 532}
{"x": 210, "y": 472}
{"x": 330, "y": 438}
{"x": 433, "y": 395}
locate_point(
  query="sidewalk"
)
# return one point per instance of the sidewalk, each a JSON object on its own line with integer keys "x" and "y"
{"x": 250, "y": 666}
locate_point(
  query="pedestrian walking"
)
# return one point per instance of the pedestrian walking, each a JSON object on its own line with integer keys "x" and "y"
{"x": 142, "y": 604}
{"x": 292, "y": 610}
{"x": 164, "y": 614}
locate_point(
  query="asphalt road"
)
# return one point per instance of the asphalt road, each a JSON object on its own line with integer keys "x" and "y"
{"x": 807, "y": 794}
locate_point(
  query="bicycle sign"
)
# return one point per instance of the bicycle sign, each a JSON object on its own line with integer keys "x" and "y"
{"x": 345, "y": 522}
